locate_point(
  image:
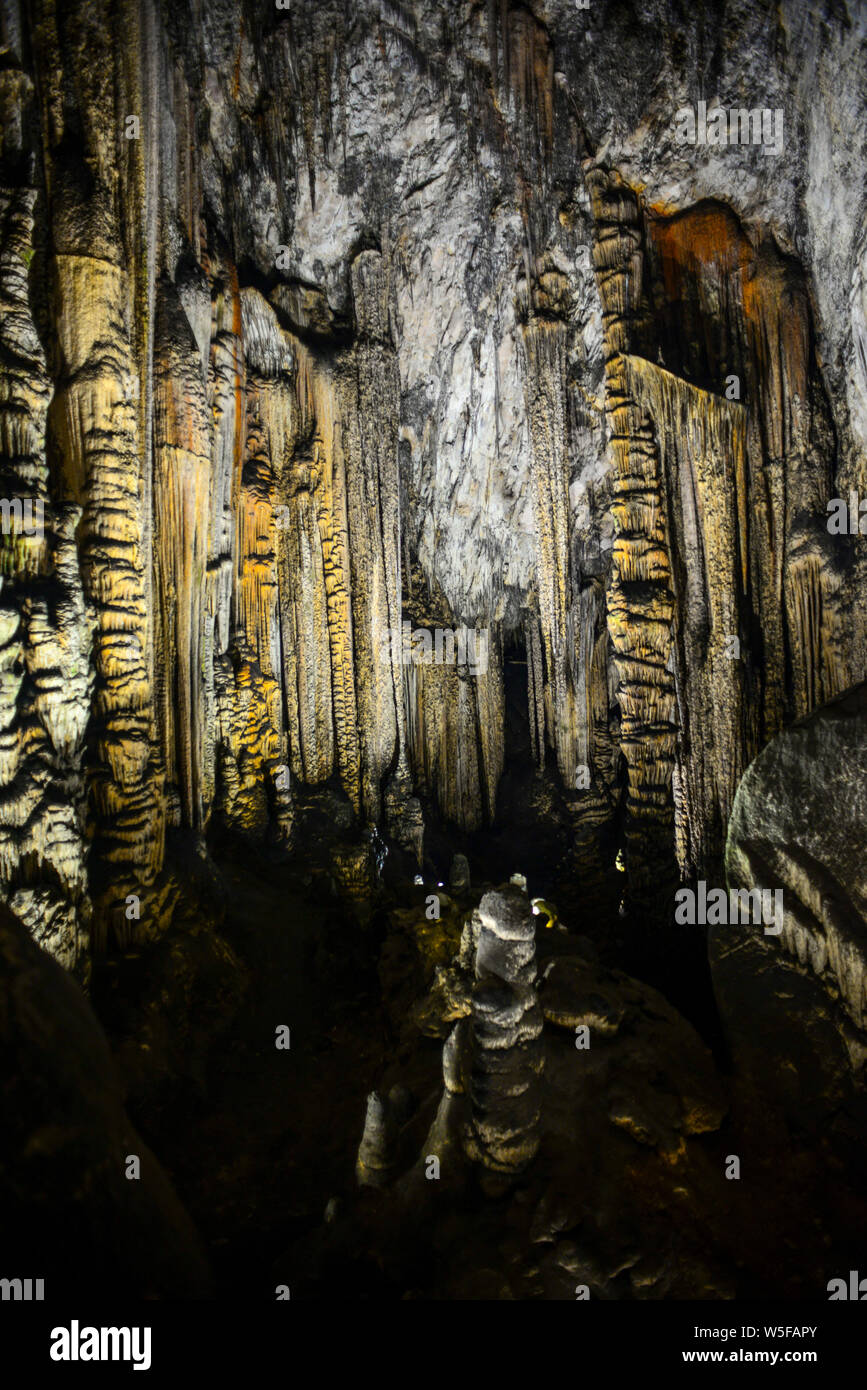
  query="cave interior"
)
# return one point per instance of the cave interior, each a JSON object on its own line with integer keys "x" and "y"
{"x": 427, "y": 630}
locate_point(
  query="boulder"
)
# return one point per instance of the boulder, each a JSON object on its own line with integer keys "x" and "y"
{"x": 799, "y": 824}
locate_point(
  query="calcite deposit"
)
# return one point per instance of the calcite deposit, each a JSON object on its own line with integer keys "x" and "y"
{"x": 317, "y": 320}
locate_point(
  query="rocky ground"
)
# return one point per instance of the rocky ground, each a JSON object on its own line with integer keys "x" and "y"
{"x": 627, "y": 1189}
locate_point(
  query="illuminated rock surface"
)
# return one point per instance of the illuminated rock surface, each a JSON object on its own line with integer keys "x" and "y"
{"x": 298, "y": 357}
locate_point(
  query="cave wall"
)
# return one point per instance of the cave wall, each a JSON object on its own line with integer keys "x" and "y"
{"x": 320, "y": 319}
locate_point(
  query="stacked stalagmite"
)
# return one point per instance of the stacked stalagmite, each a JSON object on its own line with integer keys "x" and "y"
{"x": 505, "y": 1037}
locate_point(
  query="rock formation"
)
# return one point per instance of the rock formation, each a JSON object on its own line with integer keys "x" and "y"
{"x": 419, "y": 457}
{"x": 504, "y": 1037}
{"x": 800, "y": 988}
{"x": 549, "y": 1098}
{"x": 273, "y": 408}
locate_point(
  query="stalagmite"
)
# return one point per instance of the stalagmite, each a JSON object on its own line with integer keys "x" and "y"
{"x": 504, "y": 1038}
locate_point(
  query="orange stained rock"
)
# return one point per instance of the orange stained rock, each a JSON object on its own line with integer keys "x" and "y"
{"x": 701, "y": 238}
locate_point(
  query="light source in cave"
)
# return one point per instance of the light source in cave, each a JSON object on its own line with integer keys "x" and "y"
{"x": 544, "y": 909}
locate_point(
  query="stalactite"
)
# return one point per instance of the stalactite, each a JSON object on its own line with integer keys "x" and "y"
{"x": 306, "y": 648}
{"x": 226, "y": 395}
{"x": 640, "y": 605}
{"x": 371, "y": 410}
{"x": 455, "y": 721}
{"x": 253, "y": 746}
{"x": 101, "y": 472}
{"x": 535, "y": 690}
{"x": 738, "y": 315}
{"x": 701, "y": 440}
{"x": 219, "y": 463}
{"x": 528, "y": 71}
{"x": 322, "y": 639}
{"x": 101, "y": 213}
{"x": 718, "y": 582}
{"x": 819, "y": 670}
{"x": 545, "y": 345}
{"x": 182, "y": 451}
{"x": 96, "y": 426}
{"x": 272, "y": 417}
{"x": 343, "y": 541}
{"x": 247, "y": 745}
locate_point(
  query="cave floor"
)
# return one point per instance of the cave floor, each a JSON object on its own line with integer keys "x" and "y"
{"x": 258, "y": 1139}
